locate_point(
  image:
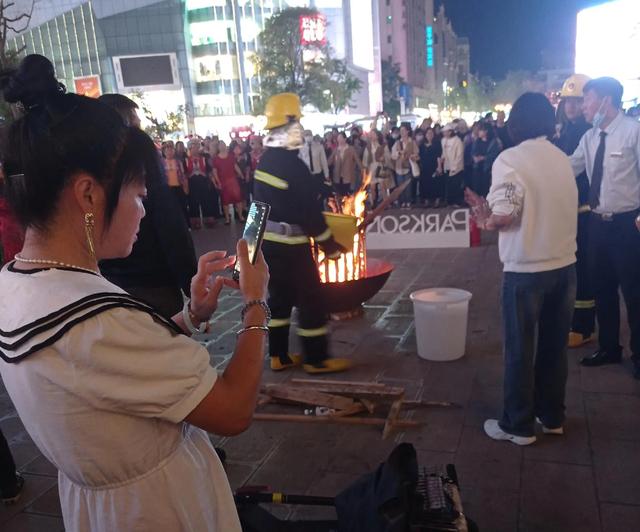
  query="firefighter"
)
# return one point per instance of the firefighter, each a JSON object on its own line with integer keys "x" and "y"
{"x": 284, "y": 181}
{"x": 573, "y": 126}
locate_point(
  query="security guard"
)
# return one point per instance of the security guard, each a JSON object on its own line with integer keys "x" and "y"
{"x": 284, "y": 181}
{"x": 574, "y": 126}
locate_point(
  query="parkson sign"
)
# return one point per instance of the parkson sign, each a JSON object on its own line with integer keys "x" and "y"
{"x": 424, "y": 230}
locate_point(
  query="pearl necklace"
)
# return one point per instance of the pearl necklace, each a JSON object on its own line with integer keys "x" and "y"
{"x": 18, "y": 258}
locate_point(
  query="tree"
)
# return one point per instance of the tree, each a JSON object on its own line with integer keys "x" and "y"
{"x": 391, "y": 81}
{"x": 10, "y": 23}
{"x": 311, "y": 71}
{"x": 161, "y": 129}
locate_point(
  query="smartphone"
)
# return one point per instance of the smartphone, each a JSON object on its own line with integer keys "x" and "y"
{"x": 253, "y": 232}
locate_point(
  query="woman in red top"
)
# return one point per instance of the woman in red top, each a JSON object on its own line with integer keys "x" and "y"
{"x": 11, "y": 233}
{"x": 225, "y": 175}
{"x": 202, "y": 194}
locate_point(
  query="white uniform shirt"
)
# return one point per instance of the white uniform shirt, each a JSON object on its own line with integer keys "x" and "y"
{"x": 534, "y": 182}
{"x": 620, "y": 190}
{"x": 317, "y": 163}
{"x": 453, "y": 154}
{"x": 105, "y": 403}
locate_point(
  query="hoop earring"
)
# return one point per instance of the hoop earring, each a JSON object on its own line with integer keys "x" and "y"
{"x": 89, "y": 224}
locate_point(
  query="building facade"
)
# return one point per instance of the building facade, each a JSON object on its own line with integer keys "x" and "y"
{"x": 223, "y": 38}
{"x": 452, "y": 56}
{"x": 432, "y": 58}
{"x": 99, "y": 42}
{"x": 194, "y": 53}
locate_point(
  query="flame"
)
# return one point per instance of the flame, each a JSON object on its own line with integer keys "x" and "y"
{"x": 351, "y": 265}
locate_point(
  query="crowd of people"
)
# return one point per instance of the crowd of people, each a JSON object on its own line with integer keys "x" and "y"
{"x": 79, "y": 299}
{"x": 214, "y": 180}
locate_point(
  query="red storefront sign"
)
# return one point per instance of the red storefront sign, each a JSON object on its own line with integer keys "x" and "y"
{"x": 88, "y": 86}
{"x": 313, "y": 29}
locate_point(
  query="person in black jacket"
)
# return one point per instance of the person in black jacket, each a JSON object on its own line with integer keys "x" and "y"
{"x": 284, "y": 181}
{"x": 163, "y": 260}
{"x": 572, "y": 127}
{"x": 430, "y": 152}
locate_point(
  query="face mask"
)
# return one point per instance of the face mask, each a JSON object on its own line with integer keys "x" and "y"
{"x": 395, "y": 135}
{"x": 598, "y": 118}
{"x": 419, "y": 138}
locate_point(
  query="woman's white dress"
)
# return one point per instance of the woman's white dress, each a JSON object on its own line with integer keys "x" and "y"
{"x": 103, "y": 385}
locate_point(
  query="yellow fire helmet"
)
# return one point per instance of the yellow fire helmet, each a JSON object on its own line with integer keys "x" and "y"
{"x": 281, "y": 109}
{"x": 574, "y": 85}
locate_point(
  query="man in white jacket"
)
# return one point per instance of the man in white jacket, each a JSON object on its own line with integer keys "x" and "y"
{"x": 533, "y": 202}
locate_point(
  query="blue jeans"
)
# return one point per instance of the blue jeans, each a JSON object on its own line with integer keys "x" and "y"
{"x": 537, "y": 309}
{"x": 405, "y": 197}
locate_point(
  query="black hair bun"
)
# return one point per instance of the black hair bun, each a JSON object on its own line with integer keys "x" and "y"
{"x": 33, "y": 83}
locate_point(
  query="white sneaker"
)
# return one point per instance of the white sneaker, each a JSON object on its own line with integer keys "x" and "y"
{"x": 493, "y": 430}
{"x": 559, "y": 431}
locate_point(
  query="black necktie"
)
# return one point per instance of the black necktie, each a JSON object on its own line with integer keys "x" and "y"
{"x": 310, "y": 159}
{"x": 598, "y": 171}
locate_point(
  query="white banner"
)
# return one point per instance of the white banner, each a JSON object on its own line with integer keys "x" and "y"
{"x": 418, "y": 231}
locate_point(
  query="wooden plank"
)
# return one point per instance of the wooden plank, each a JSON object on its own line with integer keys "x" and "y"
{"x": 357, "y": 390}
{"x": 307, "y": 396}
{"x": 264, "y": 400}
{"x": 341, "y": 383}
{"x": 357, "y": 408}
{"x": 375, "y": 421}
{"x": 368, "y": 404}
{"x": 409, "y": 405}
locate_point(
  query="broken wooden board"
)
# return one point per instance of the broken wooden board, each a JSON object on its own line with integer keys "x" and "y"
{"x": 351, "y": 388}
{"x": 307, "y": 396}
{"x": 401, "y": 423}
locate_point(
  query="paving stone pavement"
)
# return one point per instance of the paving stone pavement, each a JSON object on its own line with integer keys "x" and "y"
{"x": 588, "y": 480}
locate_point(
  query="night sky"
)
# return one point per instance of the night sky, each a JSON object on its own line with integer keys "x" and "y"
{"x": 512, "y": 34}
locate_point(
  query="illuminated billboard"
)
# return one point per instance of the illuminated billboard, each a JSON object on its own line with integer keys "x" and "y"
{"x": 88, "y": 86}
{"x": 362, "y": 34}
{"x": 607, "y": 42}
{"x": 429, "y": 33}
{"x": 149, "y": 72}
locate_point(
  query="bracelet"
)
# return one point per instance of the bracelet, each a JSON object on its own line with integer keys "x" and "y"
{"x": 186, "y": 316}
{"x": 253, "y": 328}
{"x": 259, "y": 303}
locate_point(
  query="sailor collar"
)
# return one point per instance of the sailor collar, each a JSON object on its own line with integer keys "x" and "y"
{"x": 27, "y": 337}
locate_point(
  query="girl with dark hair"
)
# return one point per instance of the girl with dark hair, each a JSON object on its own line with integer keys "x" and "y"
{"x": 347, "y": 167}
{"x": 485, "y": 150}
{"x": 404, "y": 153}
{"x": 430, "y": 152}
{"x": 181, "y": 154}
{"x": 176, "y": 179}
{"x": 533, "y": 203}
{"x": 226, "y": 176}
{"x": 203, "y": 196}
{"x": 377, "y": 161}
{"x": 112, "y": 392}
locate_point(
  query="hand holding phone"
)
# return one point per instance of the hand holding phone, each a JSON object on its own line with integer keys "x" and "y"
{"x": 253, "y": 232}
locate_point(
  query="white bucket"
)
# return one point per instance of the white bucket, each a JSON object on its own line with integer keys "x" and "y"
{"x": 441, "y": 322}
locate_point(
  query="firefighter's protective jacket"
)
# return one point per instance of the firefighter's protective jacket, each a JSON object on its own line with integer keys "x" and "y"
{"x": 283, "y": 181}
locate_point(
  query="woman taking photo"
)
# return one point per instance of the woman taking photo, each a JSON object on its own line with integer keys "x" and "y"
{"x": 112, "y": 393}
